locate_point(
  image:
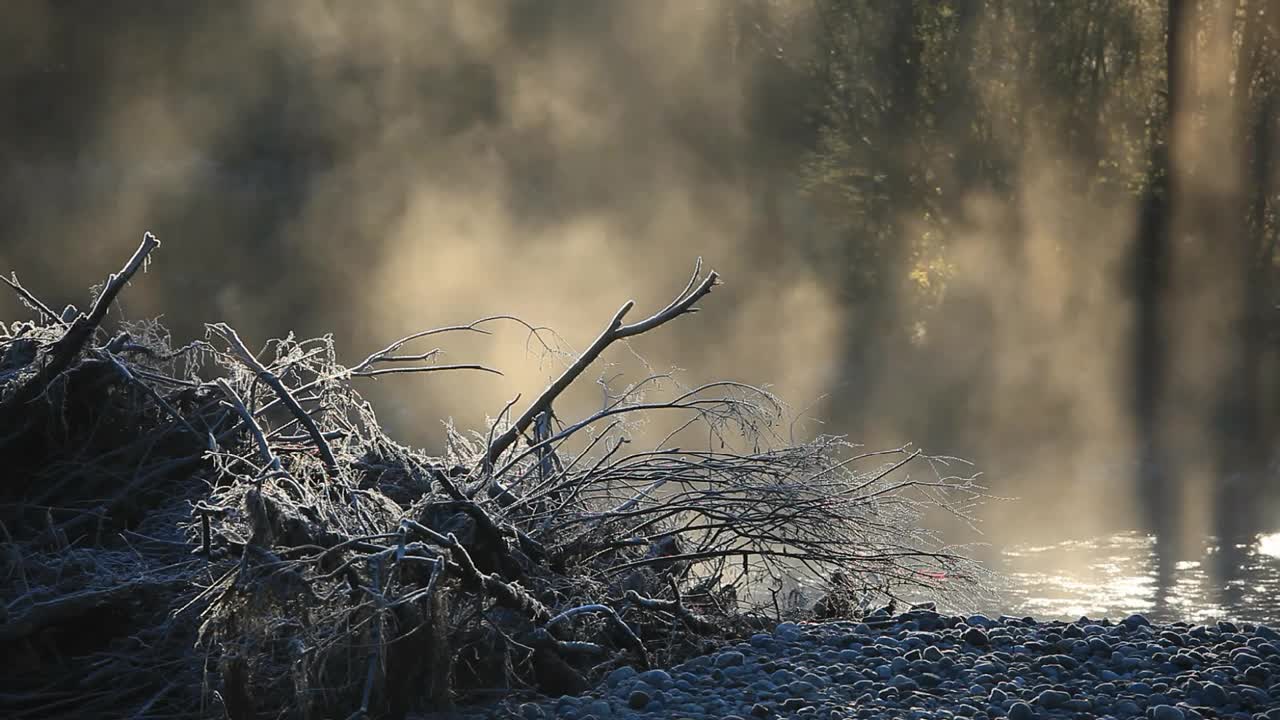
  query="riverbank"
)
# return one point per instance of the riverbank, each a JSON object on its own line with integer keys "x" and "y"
{"x": 924, "y": 665}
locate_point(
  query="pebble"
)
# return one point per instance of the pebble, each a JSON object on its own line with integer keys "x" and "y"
{"x": 729, "y": 659}
{"x": 638, "y": 699}
{"x": 659, "y": 679}
{"x": 976, "y": 668}
{"x": 1134, "y": 622}
{"x": 1021, "y": 711}
{"x": 975, "y": 636}
{"x": 1167, "y": 712}
{"x": 621, "y": 675}
{"x": 1052, "y": 699}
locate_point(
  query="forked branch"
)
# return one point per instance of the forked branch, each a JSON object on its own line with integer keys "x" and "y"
{"x": 683, "y": 303}
{"x": 77, "y": 335}
{"x": 241, "y": 351}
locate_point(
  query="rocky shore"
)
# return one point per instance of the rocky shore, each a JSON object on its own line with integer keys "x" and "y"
{"x": 922, "y": 664}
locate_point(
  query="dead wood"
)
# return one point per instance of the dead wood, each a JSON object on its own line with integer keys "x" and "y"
{"x": 210, "y": 531}
{"x": 612, "y": 333}
{"x": 269, "y": 378}
{"x": 60, "y": 355}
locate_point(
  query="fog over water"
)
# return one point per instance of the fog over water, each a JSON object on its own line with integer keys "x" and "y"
{"x": 372, "y": 169}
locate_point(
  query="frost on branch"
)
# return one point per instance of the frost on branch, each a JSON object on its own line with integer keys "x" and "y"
{"x": 213, "y": 530}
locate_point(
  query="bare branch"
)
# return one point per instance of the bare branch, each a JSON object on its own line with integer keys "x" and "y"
{"x": 613, "y": 332}
{"x": 269, "y": 459}
{"x": 77, "y": 335}
{"x": 242, "y": 352}
{"x": 424, "y": 369}
{"x": 33, "y": 301}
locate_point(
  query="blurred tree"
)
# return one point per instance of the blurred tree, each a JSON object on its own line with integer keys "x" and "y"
{"x": 1124, "y": 103}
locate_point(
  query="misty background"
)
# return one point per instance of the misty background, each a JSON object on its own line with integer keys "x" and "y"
{"x": 1037, "y": 235}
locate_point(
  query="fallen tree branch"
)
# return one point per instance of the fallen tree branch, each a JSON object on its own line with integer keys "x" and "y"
{"x": 506, "y": 594}
{"x": 630, "y": 639}
{"x": 242, "y": 352}
{"x": 73, "y": 341}
{"x": 32, "y": 301}
{"x": 313, "y": 596}
{"x": 269, "y": 459}
{"x": 612, "y": 333}
{"x": 150, "y": 392}
{"x": 695, "y": 622}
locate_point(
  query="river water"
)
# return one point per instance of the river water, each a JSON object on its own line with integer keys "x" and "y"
{"x": 1117, "y": 575}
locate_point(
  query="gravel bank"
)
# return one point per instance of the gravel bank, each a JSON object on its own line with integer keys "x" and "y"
{"x": 921, "y": 664}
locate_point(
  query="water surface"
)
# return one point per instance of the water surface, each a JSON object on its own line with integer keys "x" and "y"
{"x": 1116, "y": 575}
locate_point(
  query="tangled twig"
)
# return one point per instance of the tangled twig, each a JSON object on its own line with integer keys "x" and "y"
{"x": 282, "y": 556}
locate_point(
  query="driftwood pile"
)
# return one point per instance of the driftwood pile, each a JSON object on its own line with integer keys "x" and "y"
{"x": 209, "y": 531}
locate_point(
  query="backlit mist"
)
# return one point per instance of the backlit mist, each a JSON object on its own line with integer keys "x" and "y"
{"x": 999, "y": 231}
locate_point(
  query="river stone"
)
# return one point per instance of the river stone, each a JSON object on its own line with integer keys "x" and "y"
{"x": 729, "y": 659}
{"x": 1167, "y": 712}
{"x": 802, "y": 688}
{"x": 1135, "y": 621}
{"x": 1258, "y": 698}
{"x": 1051, "y": 699}
{"x": 619, "y": 676}
{"x": 902, "y": 682}
{"x": 1214, "y": 694}
{"x": 659, "y": 679}
{"x": 928, "y": 679}
{"x": 787, "y": 631}
{"x": 1127, "y": 708}
{"x": 975, "y": 636}
{"x": 1046, "y": 670}
{"x": 638, "y": 699}
{"x": 1065, "y": 661}
{"x": 1021, "y": 711}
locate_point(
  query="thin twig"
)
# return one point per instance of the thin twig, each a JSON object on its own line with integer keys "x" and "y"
{"x": 613, "y": 332}
{"x": 269, "y": 458}
{"x": 33, "y": 301}
{"x": 242, "y": 352}
{"x": 77, "y": 335}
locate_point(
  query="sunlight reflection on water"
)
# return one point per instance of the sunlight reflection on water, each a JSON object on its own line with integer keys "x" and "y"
{"x": 1116, "y": 575}
{"x": 1269, "y": 545}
